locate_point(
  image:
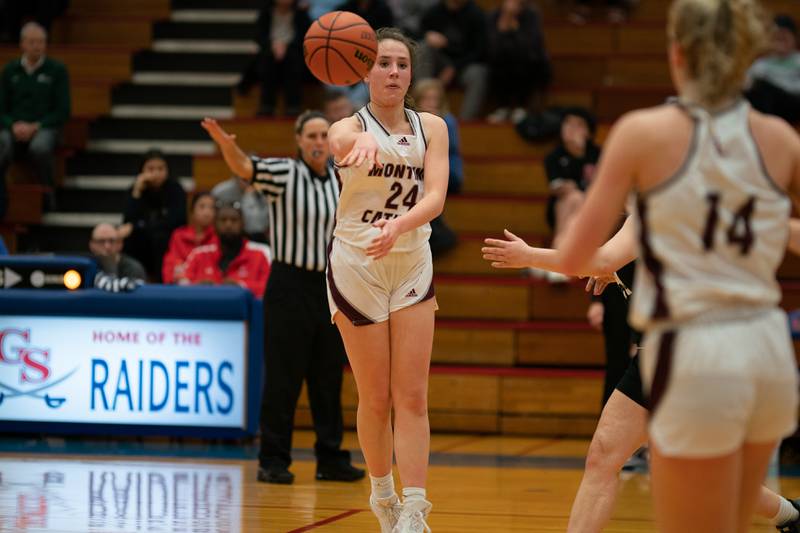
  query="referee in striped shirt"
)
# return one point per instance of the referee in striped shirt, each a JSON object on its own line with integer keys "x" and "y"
{"x": 301, "y": 343}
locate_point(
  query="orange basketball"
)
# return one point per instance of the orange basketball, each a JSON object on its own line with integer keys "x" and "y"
{"x": 339, "y": 48}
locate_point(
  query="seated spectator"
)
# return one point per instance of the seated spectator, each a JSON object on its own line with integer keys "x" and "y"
{"x": 408, "y": 15}
{"x": 617, "y": 11}
{"x": 570, "y": 169}
{"x": 337, "y": 106}
{"x": 430, "y": 97}
{"x": 282, "y": 24}
{"x": 155, "y": 207}
{"x": 199, "y": 232}
{"x": 375, "y": 12}
{"x": 517, "y": 59}
{"x": 34, "y": 105}
{"x": 233, "y": 260}
{"x": 775, "y": 79}
{"x": 106, "y": 247}
{"x": 255, "y": 209}
{"x": 454, "y": 49}
{"x": 317, "y": 8}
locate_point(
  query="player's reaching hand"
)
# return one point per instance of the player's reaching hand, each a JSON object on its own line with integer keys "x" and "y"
{"x": 220, "y": 136}
{"x": 512, "y": 253}
{"x": 597, "y": 284}
{"x": 383, "y": 243}
{"x": 365, "y": 149}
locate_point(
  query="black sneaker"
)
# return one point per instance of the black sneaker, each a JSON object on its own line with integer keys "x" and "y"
{"x": 339, "y": 472}
{"x": 794, "y": 525}
{"x": 275, "y": 474}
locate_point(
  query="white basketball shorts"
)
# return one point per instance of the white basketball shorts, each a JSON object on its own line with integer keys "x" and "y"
{"x": 715, "y": 386}
{"x": 366, "y": 291}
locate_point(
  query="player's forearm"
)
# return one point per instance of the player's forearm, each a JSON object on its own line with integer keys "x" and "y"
{"x": 550, "y": 260}
{"x": 430, "y": 207}
{"x": 237, "y": 160}
{"x": 794, "y": 236}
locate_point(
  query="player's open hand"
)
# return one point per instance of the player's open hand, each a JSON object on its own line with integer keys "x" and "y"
{"x": 383, "y": 243}
{"x": 596, "y": 285}
{"x": 512, "y": 253}
{"x": 365, "y": 150}
{"x": 220, "y": 136}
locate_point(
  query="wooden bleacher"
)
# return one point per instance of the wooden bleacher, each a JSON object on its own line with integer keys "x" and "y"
{"x": 511, "y": 354}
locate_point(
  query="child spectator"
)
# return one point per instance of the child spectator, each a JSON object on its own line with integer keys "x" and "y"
{"x": 430, "y": 97}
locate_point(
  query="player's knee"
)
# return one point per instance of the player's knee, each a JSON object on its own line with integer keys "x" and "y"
{"x": 377, "y": 403}
{"x": 412, "y": 402}
{"x": 600, "y": 457}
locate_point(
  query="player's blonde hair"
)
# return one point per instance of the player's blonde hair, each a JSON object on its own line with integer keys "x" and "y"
{"x": 720, "y": 39}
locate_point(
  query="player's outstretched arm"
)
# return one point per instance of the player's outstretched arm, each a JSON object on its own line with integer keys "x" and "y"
{"x": 351, "y": 146}
{"x": 515, "y": 253}
{"x": 237, "y": 160}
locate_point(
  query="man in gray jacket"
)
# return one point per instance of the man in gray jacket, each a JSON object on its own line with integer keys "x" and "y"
{"x": 254, "y": 208}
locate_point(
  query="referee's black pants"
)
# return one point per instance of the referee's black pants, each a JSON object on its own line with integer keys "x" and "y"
{"x": 617, "y": 335}
{"x": 300, "y": 344}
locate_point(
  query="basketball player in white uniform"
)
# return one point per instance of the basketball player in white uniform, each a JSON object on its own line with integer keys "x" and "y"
{"x": 622, "y": 428}
{"x": 393, "y": 167}
{"x": 710, "y": 176}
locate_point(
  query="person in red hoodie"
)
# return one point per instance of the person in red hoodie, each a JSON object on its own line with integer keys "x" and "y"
{"x": 233, "y": 259}
{"x": 199, "y": 232}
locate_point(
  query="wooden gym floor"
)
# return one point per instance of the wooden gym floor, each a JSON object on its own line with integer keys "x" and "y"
{"x": 477, "y": 484}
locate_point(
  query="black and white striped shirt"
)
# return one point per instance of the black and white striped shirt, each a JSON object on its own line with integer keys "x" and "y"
{"x": 302, "y": 210}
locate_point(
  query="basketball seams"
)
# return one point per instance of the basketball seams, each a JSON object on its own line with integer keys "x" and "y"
{"x": 339, "y": 39}
{"x": 328, "y": 45}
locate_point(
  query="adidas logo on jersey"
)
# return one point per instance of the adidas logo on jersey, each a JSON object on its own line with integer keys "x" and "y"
{"x": 411, "y": 294}
{"x": 403, "y": 142}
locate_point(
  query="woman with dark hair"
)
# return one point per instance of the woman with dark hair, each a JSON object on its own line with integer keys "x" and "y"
{"x": 301, "y": 343}
{"x": 155, "y": 207}
{"x": 198, "y": 232}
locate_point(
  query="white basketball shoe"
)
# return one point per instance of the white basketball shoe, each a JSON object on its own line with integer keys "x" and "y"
{"x": 387, "y": 510}
{"x": 413, "y": 516}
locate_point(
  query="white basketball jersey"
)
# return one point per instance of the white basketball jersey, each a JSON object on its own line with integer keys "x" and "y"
{"x": 368, "y": 195}
{"x": 713, "y": 235}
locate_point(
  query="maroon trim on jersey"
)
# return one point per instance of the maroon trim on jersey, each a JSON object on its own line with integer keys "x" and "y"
{"x": 421, "y": 129}
{"x": 352, "y": 314}
{"x": 666, "y": 350}
{"x": 428, "y": 295}
{"x": 363, "y": 122}
{"x": 378, "y": 122}
{"x": 661, "y": 310}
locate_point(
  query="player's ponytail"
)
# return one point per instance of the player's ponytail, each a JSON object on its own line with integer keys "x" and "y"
{"x": 397, "y": 35}
{"x": 719, "y": 39}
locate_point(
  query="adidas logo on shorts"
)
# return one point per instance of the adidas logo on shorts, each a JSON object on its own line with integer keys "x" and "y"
{"x": 411, "y": 294}
{"x": 403, "y": 142}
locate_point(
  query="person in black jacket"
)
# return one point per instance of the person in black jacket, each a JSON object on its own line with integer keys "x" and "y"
{"x": 517, "y": 59}
{"x": 454, "y": 49}
{"x": 281, "y": 26}
{"x": 375, "y": 12}
{"x": 156, "y": 205}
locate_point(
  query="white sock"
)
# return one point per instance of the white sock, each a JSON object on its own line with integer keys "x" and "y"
{"x": 382, "y": 487}
{"x": 413, "y": 493}
{"x": 786, "y": 513}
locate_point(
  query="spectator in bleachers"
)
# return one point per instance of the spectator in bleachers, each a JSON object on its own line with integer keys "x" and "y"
{"x": 337, "y": 106}
{"x": 14, "y": 12}
{"x": 408, "y": 15}
{"x": 517, "y": 59}
{"x": 106, "y": 247}
{"x": 155, "y": 207}
{"x": 281, "y": 24}
{"x": 454, "y": 50}
{"x": 317, "y": 8}
{"x": 775, "y": 79}
{"x": 430, "y": 97}
{"x": 254, "y": 207}
{"x": 233, "y": 260}
{"x": 199, "y": 232}
{"x": 617, "y": 10}
{"x": 375, "y": 12}
{"x": 34, "y": 105}
{"x": 570, "y": 168}
{"x": 3, "y": 249}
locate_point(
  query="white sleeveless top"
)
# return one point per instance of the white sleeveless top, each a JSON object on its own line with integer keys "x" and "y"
{"x": 368, "y": 195}
{"x": 713, "y": 235}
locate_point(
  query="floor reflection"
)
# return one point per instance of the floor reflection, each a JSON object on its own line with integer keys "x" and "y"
{"x": 56, "y": 495}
